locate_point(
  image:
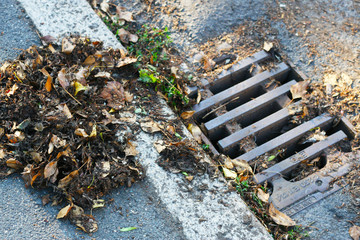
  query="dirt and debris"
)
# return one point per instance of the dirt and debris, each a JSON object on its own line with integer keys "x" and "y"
{"x": 60, "y": 109}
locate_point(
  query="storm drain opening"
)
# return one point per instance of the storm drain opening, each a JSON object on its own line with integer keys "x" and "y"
{"x": 249, "y": 114}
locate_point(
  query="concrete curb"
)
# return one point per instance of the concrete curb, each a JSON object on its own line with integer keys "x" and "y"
{"x": 60, "y": 18}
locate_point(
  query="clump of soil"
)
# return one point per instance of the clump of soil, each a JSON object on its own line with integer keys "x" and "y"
{"x": 181, "y": 157}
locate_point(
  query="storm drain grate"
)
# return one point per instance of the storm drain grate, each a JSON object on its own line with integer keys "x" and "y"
{"x": 245, "y": 115}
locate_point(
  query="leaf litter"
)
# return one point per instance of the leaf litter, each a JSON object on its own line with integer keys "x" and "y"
{"x": 54, "y": 132}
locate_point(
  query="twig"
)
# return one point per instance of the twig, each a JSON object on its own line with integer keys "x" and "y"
{"x": 222, "y": 105}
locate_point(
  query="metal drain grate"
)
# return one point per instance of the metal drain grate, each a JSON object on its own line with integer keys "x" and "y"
{"x": 245, "y": 115}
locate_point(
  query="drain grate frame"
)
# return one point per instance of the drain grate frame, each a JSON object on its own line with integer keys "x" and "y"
{"x": 249, "y": 102}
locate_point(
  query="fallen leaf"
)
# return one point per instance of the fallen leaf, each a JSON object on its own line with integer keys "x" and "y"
{"x": 48, "y": 84}
{"x": 103, "y": 75}
{"x": 36, "y": 157}
{"x": 93, "y": 131}
{"x": 280, "y": 218}
{"x": 18, "y": 136}
{"x": 127, "y": 229}
{"x": 345, "y": 80}
{"x": 159, "y": 146}
{"x": 128, "y": 96}
{"x": 23, "y": 124}
{"x": 228, "y": 163}
{"x": 264, "y": 197}
{"x": 298, "y": 90}
{"x": 50, "y": 169}
{"x": 67, "y": 47}
{"x": 125, "y": 61}
{"x": 241, "y": 165}
{"x": 2, "y": 153}
{"x": 268, "y": 46}
{"x": 79, "y": 87}
{"x": 272, "y": 157}
{"x": 12, "y": 90}
{"x": 105, "y": 168}
{"x": 318, "y": 135}
{"x": 98, "y": 203}
{"x": 64, "y": 82}
{"x": 113, "y": 92}
{"x": 90, "y": 60}
{"x": 13, "y": 163}
{"x": 196, "y": 132}
{"x": 149, "y": 126}
{"x": 81, "y": 132}
{"x": 171, "y": 129}
{"x": 187, "y": 114}
{"x": 208, "y": 63}
{"x": 354, "y": 232}
{"x": 64, "y": 211}
{"x": 86, "y": 222}
{"x": 82, "y": 74}
{"x": 126, "y": 36}
{"x": 64, "y": 182}
{"x": 124, "y": 15}
{"x": 130, "y": 149}
{"x": 198, "y": 98}
{"x": 229, "y": 173}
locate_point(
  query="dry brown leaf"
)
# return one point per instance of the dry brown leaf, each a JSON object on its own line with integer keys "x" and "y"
{"x": 64, "y": 182}
{"x": 125, "y": 61}
{"x": 171, "y": 129}
{"x": 13, "y": 163}
{"x": 36, "y": 157}
{"x": 67, "y": 47}
{"x": 130, "y": 149}
{"x": 241, "y": 165}
{"x": 354, "y": 232}
{"x": 198, "y": 98}
{"x": 124, "y": 15}
{"x": 18, "y": 136}
{"x": 126, "y": 36}
{"x": 280, "y": 218}
{"x": 264, "y": 197}
{"x": 128, "y": 96}
{"x": 50, "y": 169}
{"x": 81, "y": 132}
{"x": 90, "y": 60}
{"x": 196, "y": 132}
{"x": 104, "y": 6}
{"x": 64, "y": 82}
{"x": 208, "y": 63}
{"x": 159, "y": 146}
{"x": 187, "y": 114}
{"x": 149, "y": 126}
{"x": 12, "y": 90}
{"x": 228, "y": 163}
{"x": 113, "y": 92}
{"x": 103, "y": 75}
{"x": 298, "y": 90}
{"x": 48, "y": 84}
{"x": 86, "y": 222}
{"x": 45, "y": 199}
{"x": 64, "y": 211}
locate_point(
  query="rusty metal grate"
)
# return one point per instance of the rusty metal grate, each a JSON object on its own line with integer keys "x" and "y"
{"x": 249, "y": 103}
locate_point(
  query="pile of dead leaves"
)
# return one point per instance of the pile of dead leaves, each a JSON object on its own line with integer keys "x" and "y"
{"x": 240, "y": 176}
{"x": 60, "y": 109}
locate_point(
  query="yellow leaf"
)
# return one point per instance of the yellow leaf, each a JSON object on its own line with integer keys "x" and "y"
{"x": 93, "y": 132}
{"x": 229, "y": 173}
{"x": 79, "y": 87}
{"x": 81, "y": 132}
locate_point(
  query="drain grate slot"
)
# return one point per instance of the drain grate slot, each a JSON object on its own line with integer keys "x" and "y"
{"x": 247, "y": 115}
